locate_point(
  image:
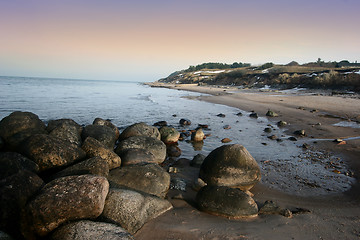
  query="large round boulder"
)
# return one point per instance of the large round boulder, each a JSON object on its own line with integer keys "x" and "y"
{"x": 86, "y": 230}
{"x": 169, "y": 135}
{"x": 137, "y": 156}
{"x": 132, "y": 209}
{"x": 102, "y": 133}
{"x": 232, "y": 166}
{"x": 108, "y": 123}
{"x": 226, "y": 202}
{"x": 149, "y": 178}
{"x": 15, "y": 191}
{"x": 66, "y": 199}
{"x": 154, "y": 146}
{"x": 18, "y": 126}
{"x": 66, "y": 129}
{"x": 93, "y": 166}
{"x": 51, "y": 152}
{"x": 12, "y": 162}
{"x": 140, "y": 129}
{"x": 94, "y": 148}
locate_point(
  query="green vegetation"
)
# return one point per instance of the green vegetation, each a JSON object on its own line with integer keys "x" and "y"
{"x": 341, "y": 75}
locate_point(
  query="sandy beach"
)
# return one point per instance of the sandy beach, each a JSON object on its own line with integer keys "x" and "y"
{"x": 331, "y": 216}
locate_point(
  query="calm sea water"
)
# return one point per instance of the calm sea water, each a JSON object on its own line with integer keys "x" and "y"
{"x": 125, "y": 103}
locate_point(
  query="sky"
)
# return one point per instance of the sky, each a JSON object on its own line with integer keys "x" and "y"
{"x": 138, "y": 40}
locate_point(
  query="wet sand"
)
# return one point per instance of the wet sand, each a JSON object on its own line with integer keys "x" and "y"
{"x": 331, "y": 216}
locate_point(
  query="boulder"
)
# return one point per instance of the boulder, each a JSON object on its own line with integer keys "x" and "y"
{"x": 108, "y": 123}
{"x": 161, "y": 124}
{"x": 66, "y": 199}
{"x": 51, "y": 152}
{"x": 232, "y": 166}
{"x": 227, "y": 202}
{"x": 94, "y": 148}
{"x": 15, "y": 191}
{"x": 148, "y": 178}
{"x": 197, "y": 160}
{"x": 173, "y": 151}
{"x": 281, "y": 123}
{"x": 18, "y": 126}
{"x": 2, "y": 143}
{"x": 102, "y": 133}
{"x": 95, "y": 166}
{"x": 66, "y": 129}
{"x": 86, "y": 230}
{"x": 300, "y": 133}
{"x": 271, "y": 207}
{"x": 20, "y": 121}
{"x": 137, "y": 156}
{"x": 221, "y": 115}
{"x": 154, "y": 146}
{"x": 226, "y": 140}
{"x": 253, "y": 115}
{"x": 12, "y": 162}
{"x": 198, "y": 135}
{"x": 169, "y": 135}
{"x": 268, "y": 130}
{"x": 140, "y": 129}
{"x": 271, "y": 114}
{"x": 184, "y": 121}
{"x": 132, "y": 209}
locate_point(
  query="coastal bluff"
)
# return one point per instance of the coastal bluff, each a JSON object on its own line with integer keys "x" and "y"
{"x": 59, "y": 178}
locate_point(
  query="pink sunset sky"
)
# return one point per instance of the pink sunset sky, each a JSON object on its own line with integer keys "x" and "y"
{"x": 147, "y": 40}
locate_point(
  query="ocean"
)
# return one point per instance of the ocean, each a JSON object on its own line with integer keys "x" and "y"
{"x": 126, "y": 103}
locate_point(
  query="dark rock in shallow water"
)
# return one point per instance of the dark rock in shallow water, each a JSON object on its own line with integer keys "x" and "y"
{"x": 149, "y": 178}
{"x": 132, "y": 209}
{"x": 197, "y": 160}
{"x": 51, "y": 152}
{"x": 185, "y": 121}
{"x": 94, "y": 148}
{"x": 221, "y": 115}
{"x": 86, "y": 230}
{"x": 154, "y": 146}
{"x": 169, "y": 135}
{"x": 292, "y": 139}
{"x": 253, "y": 115}
{"x": 173, "y": 151}
{"x": 94, "y": 166}
{"x": 239, "y": 114}
{"x": 108, "y": 123}
{"x": 268, "y": 130}
{"x": 232, "y": 166}
{"x": 226, "y": 202}
{"x": 15, "y": 191}
{"x": 65, "y": 129}
{"x": 102, "y": 133}
{"x": 300, "y": 133}
{"x": 161, "y": 124}
{"x": 140, "y": 129}
{"x": 12, "y": 162}
{"x": 66, "y": 199}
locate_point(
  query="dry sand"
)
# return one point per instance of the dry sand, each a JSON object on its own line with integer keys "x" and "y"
{"x": 332, "y": 216}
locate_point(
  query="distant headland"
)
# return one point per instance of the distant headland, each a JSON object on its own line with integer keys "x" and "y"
{"x": 342, "y": 75}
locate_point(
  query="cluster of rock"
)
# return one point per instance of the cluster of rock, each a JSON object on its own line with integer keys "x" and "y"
{"x": 65, "y": 181}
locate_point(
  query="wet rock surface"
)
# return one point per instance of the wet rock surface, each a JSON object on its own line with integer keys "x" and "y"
{"x": 140, "y": 129}
{"x": 102, "y": 133}
{"x": 232, "y": 166}
{"x": 148, "y": 178}
{"x": 227, "y": 202}
{"x": 132, "y": 209}
{"x": 86, "y": 229}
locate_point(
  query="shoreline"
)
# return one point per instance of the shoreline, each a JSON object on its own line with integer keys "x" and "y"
{"x": 331, "y": 216}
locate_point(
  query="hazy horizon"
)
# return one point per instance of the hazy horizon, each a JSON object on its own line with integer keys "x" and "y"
{"x": 145, "y": 41}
